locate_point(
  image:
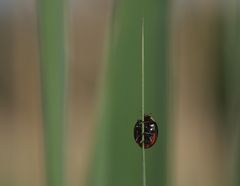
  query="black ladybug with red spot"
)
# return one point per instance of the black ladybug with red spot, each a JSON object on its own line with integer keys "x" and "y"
{"x": 150, "y": 132}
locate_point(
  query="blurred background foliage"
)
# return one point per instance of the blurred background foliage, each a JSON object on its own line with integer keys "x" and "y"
{"x": 70, "y": 92}
{"x": 52, "y": 76}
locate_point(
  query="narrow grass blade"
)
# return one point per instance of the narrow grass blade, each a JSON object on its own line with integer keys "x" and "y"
{"x": 51, "y": 40}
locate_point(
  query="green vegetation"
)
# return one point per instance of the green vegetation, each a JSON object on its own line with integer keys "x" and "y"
{"x": 117, "y": 159}
{"x": 51, "y": 34}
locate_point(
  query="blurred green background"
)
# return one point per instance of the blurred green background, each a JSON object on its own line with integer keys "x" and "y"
{"x": 70, "y": 92}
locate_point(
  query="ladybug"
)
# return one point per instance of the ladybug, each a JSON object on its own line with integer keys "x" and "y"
{"x": 150, "y": 132}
